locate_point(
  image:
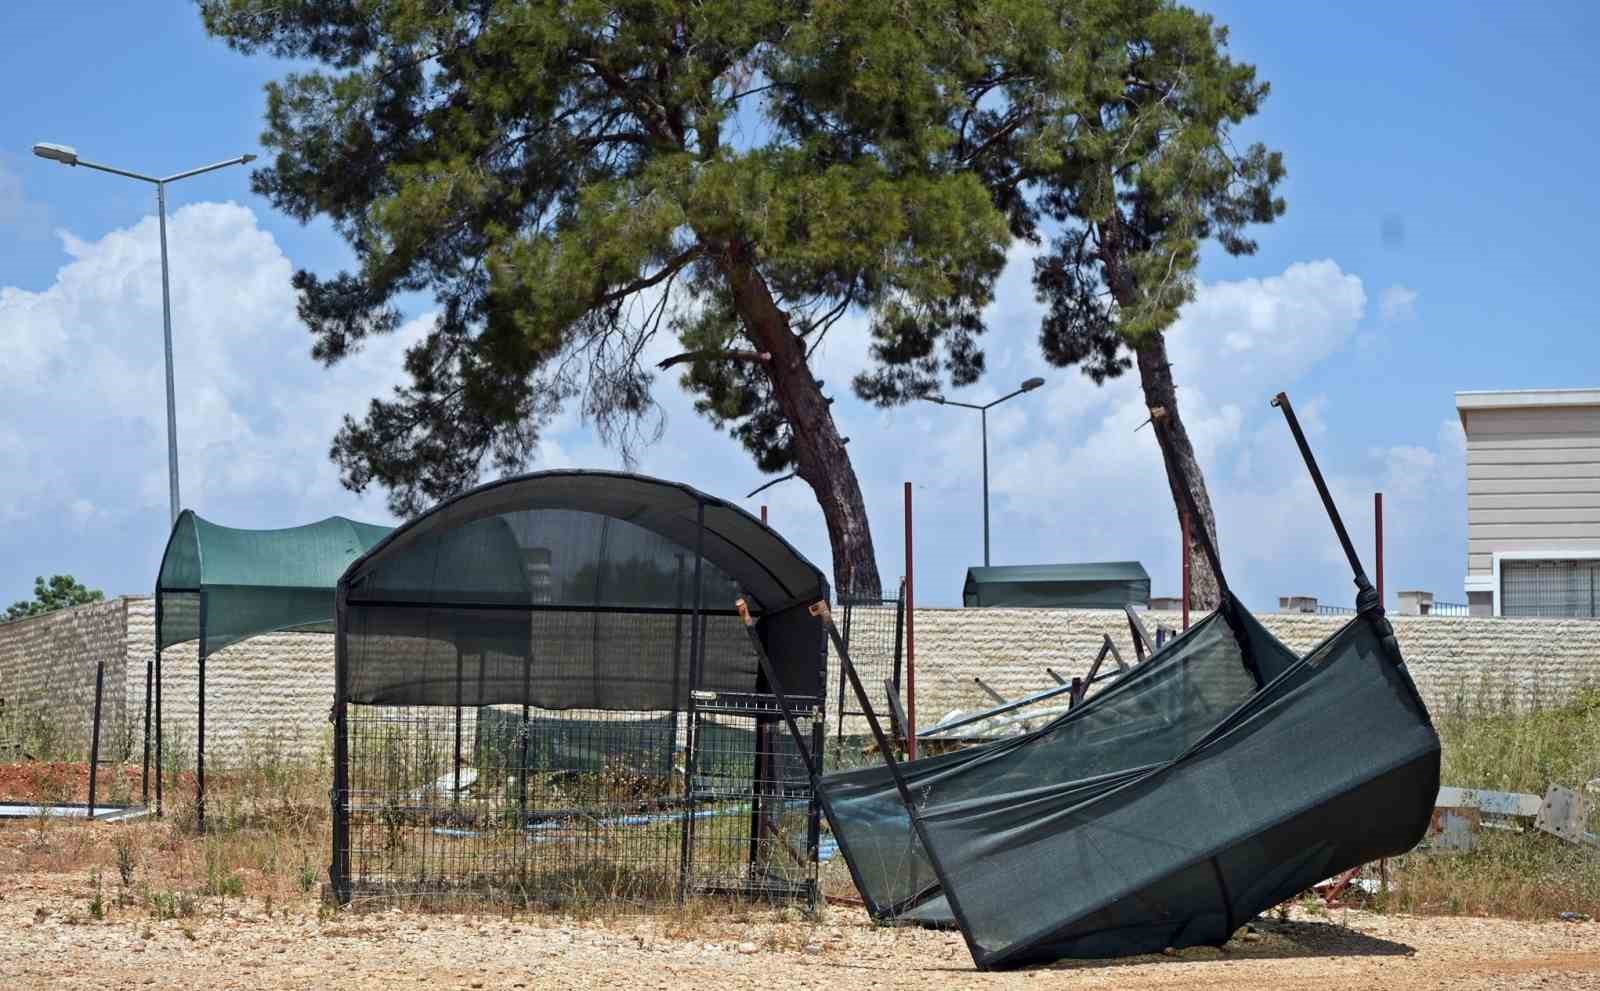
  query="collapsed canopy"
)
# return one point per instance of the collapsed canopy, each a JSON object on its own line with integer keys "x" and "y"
{"x": 576, "y": 589}
{"x": 1217, "y": 779}
{"x": 1102, "y": 585}
{"x": 254, "y": 581}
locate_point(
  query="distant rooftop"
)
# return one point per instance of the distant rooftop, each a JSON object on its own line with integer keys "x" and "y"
{"x": 1515, "y": 398}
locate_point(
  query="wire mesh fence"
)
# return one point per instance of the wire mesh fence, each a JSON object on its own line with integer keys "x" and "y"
{"x": 541, "y": 806}
{"x": 873, "y": 628}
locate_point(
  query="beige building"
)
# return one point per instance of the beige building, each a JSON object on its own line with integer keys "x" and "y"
{"x": 1533, "y": 501}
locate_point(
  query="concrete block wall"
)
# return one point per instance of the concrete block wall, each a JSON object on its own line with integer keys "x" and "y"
{"x": 277, "y": 689}
{"x": 47, "y": 665}
{"x": 1453, "y": 660}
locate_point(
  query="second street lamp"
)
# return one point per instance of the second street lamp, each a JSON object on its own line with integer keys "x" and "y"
{"x": 67, "y": 155}
{"x": 983, "y": 410}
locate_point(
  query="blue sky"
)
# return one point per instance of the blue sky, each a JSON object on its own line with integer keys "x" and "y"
{"x": 1441, "y": 204}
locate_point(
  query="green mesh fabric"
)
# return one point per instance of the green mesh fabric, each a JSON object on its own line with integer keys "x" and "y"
{"x": 220, "y": 584}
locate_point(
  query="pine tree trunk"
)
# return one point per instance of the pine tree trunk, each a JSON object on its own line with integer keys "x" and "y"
{"x": 1183, "y": 471}
{"x": 822, "y": 460}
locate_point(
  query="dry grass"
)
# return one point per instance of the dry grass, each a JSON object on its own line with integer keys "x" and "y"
{"x": 267, "y": 848}
{"x": 1490, "y": 743}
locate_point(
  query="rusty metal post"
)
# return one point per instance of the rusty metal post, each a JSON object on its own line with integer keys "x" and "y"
{"x": 1377, "y": 530}
{"x": 911, "y": 650}
{"x": 1184, "y": 517}
{"x": 763, "y": 514}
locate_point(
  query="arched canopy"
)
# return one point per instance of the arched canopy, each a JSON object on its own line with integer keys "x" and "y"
{"x": 575, "y": 589}
{"x": 220, "y": 584}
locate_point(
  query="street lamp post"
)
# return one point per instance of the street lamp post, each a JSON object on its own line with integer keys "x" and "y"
{"x": 69, "y": 156}
{"x": 983, "y": 411}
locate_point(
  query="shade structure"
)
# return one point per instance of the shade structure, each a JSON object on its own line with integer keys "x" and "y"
{"x": 218, "y": 585}
{"x": 562, "y": 583}
{"x": 1101, "y": 585}
{"x": 563, "y": 651}
{"x": 1220, "y": 777}
{"x": 1217, "y": 779}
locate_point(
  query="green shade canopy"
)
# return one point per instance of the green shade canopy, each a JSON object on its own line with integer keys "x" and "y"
{"x": 220, "y": 585}
{"x": 1101, "y": 585}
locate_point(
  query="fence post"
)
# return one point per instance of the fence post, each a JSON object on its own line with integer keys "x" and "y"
{"x": 1377, "y": 530}
{"x": 911, "y": 650}
{"x": 94, "y": 739}
{"x": 1184, "y": 524}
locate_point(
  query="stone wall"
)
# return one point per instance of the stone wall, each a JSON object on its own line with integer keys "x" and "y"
{"x": 47, "y": 675}
{"x": 1468, "y": 659}
{"x": 277, "y": 689}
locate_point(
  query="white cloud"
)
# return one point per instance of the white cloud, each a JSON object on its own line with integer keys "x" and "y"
{"x": 17, "y": 211}
{"x": 82, "y": 390}
{"x": 1397, "y": 303}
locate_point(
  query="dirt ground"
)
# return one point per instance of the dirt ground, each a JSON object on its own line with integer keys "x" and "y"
{"x": 49, "y": 938}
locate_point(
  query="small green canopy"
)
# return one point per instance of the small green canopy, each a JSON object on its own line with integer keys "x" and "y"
{"x": 220, "y": 585}
{"x": 1101, "y": 585}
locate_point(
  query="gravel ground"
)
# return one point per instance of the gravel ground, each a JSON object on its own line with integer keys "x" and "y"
{"x": 49, "y": 938}
{"x": 50, "y": 941}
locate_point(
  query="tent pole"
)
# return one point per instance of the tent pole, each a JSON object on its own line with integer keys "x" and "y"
{"x": 456, "y": 790}
{"x": 1186, "y": 579}
{"x": 911, "y": 641}
{"x": 94, "y": 739}
{"x": 686, "y": 855}
{"x": 160, "y": 768}
{"x": 1363, "y": 584}
{"x": 522, "y": 757}
{"x": 144, "y": 776}
{"x": 200, "y": 734}
{"x": 1368, "y": 602}
{"x": 339, "y": 869}
{"x": 677, "y": 669}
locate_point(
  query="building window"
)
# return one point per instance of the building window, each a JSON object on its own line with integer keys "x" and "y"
{"x": 1549, "y": 588}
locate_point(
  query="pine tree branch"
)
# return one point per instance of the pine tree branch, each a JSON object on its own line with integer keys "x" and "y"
{"x": 678, "y": 359}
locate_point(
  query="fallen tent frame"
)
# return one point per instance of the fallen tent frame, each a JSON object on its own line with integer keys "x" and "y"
{"x": 1134, "y": 886}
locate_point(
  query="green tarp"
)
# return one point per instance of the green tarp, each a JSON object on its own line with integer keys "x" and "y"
{"x": 253, "y": 581}
{"x": 1102, "y": 585}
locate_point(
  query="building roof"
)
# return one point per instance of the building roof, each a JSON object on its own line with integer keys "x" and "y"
{"x": 1524, "y": 398}
{"x": 1099, "y": 585}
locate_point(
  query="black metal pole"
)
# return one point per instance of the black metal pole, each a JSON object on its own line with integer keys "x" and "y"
{"x": 456, "y": 790}
{"x": 94, "y": 738}
{"x": 686, "y": 855}
{"x": 985, "y": 413}
{"x": 200, "y": 734}
{"x": 1368, "y": 603}
{"x": 677, "y": 669}
{"x": 1363, "y": 584}
{"x": 160, "y": 767}
{"x": 527, "y": 730}
{"x": 144, "y": 776}
{"x": 339, "y": 869}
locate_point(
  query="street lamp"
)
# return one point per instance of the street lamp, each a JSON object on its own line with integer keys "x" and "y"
{"x": 1028, "y": 386}
{"x": 67, "y": 155}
